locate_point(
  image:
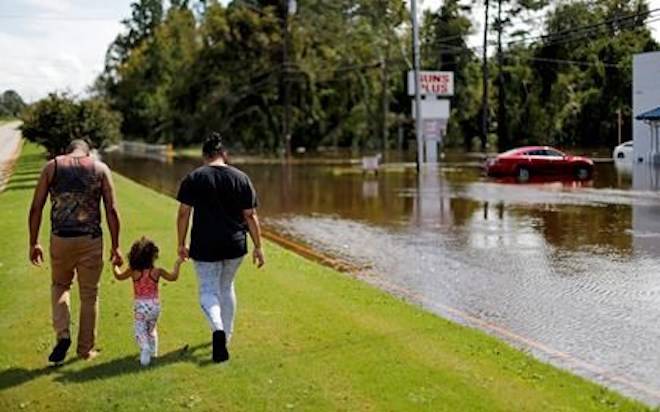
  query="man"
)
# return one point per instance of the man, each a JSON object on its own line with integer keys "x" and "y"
{"x": 224, "y": 203}
{"x": 76, "y": 182}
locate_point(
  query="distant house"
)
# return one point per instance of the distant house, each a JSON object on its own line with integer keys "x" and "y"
{"x": 652, "y": 119}
{"x": 646, "y": 98}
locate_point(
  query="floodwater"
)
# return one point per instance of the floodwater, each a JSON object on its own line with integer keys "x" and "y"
{"x": 568, "y": 271}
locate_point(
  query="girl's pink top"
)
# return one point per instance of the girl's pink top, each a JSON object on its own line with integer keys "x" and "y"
{"x": 145, "y": 287}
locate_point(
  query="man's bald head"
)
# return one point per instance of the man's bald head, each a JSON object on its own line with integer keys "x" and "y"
{"x": 78, "y": 144}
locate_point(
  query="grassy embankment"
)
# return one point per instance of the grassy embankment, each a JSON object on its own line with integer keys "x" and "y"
{"x": 307, "y": 338}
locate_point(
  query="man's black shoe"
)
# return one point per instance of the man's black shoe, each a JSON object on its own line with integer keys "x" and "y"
{"x": 220, "y": 353}
{"x": 59, "y": 351}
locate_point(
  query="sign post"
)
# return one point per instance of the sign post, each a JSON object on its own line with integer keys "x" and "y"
{"x": 434, "y": 110}
{"x": 418, "y": 96}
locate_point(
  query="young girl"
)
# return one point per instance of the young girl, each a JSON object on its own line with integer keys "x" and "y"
{"x": 141, "y": 258}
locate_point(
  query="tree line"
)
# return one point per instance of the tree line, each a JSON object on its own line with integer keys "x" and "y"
{"x": 273, "y": 74}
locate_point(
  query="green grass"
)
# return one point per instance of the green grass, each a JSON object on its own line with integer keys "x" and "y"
{"x": 306, "y": 338}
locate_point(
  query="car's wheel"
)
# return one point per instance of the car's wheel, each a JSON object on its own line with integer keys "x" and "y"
{"x": 523, "y": 174}
{"x": 582, "y": 172}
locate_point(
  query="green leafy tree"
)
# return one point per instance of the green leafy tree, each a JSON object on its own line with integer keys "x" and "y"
{"x": 179, "y": 71}
{"x": 598, "y": 40}
{"x": 58, "y": 119}
{"x": 11, "y": 104}
{"x": 224, "y": 70}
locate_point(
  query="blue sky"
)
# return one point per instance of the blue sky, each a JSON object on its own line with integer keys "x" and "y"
{"x": 51, "y": 45}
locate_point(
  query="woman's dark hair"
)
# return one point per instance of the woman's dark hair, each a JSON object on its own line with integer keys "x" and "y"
{"x": 143, "y": 254}
{"x": 213, "y": 145}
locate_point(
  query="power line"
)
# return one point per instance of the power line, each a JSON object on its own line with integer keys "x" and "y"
{"x": 59, "y": 18}
{"x": 582, "y": 34}
{"x": 577, "y": 33}
{"x": 587, "y": 29}
{"x": 551, "y": 60}
{"x": 569, "y": 62}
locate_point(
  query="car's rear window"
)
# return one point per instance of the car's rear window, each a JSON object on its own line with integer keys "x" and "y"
{"x": 510, "y": 152}
{"x": 544, "y": 152}
{"x": 550, "y": 152}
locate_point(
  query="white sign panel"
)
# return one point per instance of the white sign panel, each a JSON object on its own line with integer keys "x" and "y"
{"x": 433, "y": 109}
{"x": 432, "y": 83}
{"x": 434, "y": 128}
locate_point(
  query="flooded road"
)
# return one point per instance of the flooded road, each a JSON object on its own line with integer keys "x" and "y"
{"x": 569, "y": 271}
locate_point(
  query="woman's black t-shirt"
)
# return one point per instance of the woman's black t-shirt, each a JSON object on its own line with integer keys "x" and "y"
{"x": 218, "y": 196}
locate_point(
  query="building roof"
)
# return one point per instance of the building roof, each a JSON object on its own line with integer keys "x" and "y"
{"x": 652, "y": 115}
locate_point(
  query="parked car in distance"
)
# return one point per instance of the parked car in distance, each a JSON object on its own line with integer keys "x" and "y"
{"x": 624, "y": 151}
{"x": 525, "y": 162}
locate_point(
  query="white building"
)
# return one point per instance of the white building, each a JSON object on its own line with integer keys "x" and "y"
{"x": 646, "y": 174}
{"x": 646, "y": 96}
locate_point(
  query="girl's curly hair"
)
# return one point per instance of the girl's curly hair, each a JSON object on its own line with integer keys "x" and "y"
{"x": 143, "y": 254}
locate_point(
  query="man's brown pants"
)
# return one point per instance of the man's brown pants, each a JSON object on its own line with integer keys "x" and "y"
{"x": 81, "y": 256}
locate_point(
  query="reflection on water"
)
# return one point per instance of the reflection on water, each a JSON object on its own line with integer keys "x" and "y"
{"x": 646, "y": 218}
{"x": 572, "y": 266}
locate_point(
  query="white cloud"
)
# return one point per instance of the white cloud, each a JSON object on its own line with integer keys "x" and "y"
{"x": 50, "y": 6}
{"x": 56, "y": 45}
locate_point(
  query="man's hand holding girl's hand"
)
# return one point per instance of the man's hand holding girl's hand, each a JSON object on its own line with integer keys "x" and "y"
{"x": 116, "y": 257}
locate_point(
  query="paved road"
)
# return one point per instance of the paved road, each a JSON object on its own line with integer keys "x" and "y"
{"x": 10, "y": 138}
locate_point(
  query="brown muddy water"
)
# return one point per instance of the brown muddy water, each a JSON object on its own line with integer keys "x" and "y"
{"x": 567, "y": 271}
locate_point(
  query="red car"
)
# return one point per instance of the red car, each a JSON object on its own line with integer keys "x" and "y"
{"x": 525, "y": 162}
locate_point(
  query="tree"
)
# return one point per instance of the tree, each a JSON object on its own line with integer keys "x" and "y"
{"x": 583, "y": 97}
{"x": 56, "y": 120}
{"x": 177, "y": 72}
{"x": 11, "y": 104}
{"x": 225, "y": 71}
{"x": 146, "y": 16}
{"x": 151, "y": 75}
{"x": 510, "y": 13}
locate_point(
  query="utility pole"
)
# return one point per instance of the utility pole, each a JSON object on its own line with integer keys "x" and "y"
{"x": 286, "y": 46}
{"x": 385, "y": 80}
{"x": 502, "y": 126}
{"x": 484, "y": 102}
{"x": 619, "y": 122}
{"x": 385, "y": 96}
{"x": 418, "y": 97}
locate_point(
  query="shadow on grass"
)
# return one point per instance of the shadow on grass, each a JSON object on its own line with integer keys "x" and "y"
{"x": 11, "y": 187}
{"x": 17, "y": 376}
{"x": 28, "y": 172}
{"x": 129, "y": 364}
{"x": 32, "y": 158}
{"x": 12, "y": 377}
{"x": 22, "y": 179}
